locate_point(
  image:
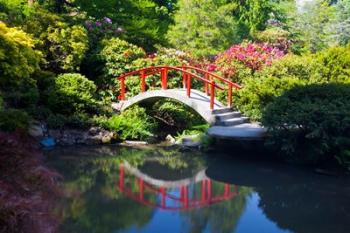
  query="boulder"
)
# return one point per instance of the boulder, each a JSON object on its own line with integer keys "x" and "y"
{"x": 36, "y": 129}
{"x": 170, "y": 139}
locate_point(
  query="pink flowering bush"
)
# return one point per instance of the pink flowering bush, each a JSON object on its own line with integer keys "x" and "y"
{"x": 243, "y": 60}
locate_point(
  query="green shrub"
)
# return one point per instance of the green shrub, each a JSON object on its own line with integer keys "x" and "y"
{"x": 334, "y": 65}
{"x": 72, "y": 93}
{"x": 256, "y": 94}
{"x": 79, "y": 120}
{"x": 13, "y": 119}
{"x": 1, "y": 103}
{"x": 63, "y": 45}
{"x": 311, "y": 123}
{"x": 175, "y": 115}
{"x": 26, "y": 95}
{"x": 291, "y": 66}
{"x": 133, "y": 123}
{"x": 45, "y": 81}
{"x": 118, "y": 56}
{"x": 18, "y": 59}
{"x": 66, "y": 46}
{"x": 56, "y": 121}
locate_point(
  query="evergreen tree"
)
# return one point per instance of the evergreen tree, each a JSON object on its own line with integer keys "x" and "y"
{"x": 204, "y": 27}
{"x": 145, "y": 21}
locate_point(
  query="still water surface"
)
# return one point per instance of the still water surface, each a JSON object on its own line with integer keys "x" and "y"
{"x": 153, "y": 189}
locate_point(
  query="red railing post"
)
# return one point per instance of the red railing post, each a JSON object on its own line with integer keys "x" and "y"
{"x": 163, "y": 192}
{"x": 122, "y": 88}
{"x": 188, "y": 86}
{"x": 203, "y": 190}
{"x": 141, "y": 189}
{"x": 209, "y": 190}
{"x": 206, "y": 85}
{"x": 186, "y": 196}
{"x": 212, "y": 95}
{"x": 227, "y": 190}
{"x": 184, "y": 77}
{"x": 229, "y": 96}
{"x": 164, "y": 77}
{"x": 121, "y": 177}
{"x": 143, "y": 80}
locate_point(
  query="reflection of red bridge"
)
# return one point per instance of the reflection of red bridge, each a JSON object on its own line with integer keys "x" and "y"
{"x": 167, "y": 191}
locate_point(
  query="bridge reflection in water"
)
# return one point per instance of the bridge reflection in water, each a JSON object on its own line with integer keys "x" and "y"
{"x": 179, "y": 195}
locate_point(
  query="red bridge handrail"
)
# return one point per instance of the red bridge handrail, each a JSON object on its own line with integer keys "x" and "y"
{"x": 187, "y": 76}
{"x": 235, "y": 85}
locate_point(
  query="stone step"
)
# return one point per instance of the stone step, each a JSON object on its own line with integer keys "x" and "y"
{"x": 233, "y": 121}
{"x": 226, "y": 116}
{"x": 221, "y": 110}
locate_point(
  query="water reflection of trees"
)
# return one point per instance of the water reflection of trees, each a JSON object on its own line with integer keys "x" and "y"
{"x": 295, "y": 199}
{"x": 93, "y": 202}
{"x": 221, "y": 218}
{"x": 308, "y": 207}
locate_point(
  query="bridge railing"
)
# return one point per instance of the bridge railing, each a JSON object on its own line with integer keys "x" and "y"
{"x": 174, "y": 199}
{"x": 209, "y": 80}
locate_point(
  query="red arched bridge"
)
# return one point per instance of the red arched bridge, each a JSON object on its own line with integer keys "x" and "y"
{"x": 203, "y": 102}
{"x": 220, "y": 115}
{"x": 185, "y": 194}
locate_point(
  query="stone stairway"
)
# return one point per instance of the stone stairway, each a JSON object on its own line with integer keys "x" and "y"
{"x": 228, "y": 117}
{"x": 231, "y": 124}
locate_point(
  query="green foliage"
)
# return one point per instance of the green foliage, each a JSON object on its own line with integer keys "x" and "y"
{"x": 72, "y": 93}
{"x": 311, "y": 123}
{"x": 340, "y": 28}
{"x": 66, "y": 47}
{"x": 258, "y": 93}
{"x": 18, "y": 59}
{"x": 133, "y": 123}
{"x": 25, "y": 95}
{"x": 174, "y": 116}
{"x": 79, "y": 120}
{"x": 118, "y": 56}
{"x": 310, "y": 24}
{"x": 63, "y": 45}
{"x": 333, "y": 65}
{"x": 1, "y": 103}
{"x": 145, "y": 21}
{"x": 255, "y": 13}
{"x": 56, "y": 121}
{"x": 45, "y": 81}
{"x": 197, "y": 132}
{"x": 13, "y": 119}
{"x": 204, "y": 27}
{"x": 291, "y": 66}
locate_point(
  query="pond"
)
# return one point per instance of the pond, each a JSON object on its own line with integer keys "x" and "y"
{"x": 157, "y": 189}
